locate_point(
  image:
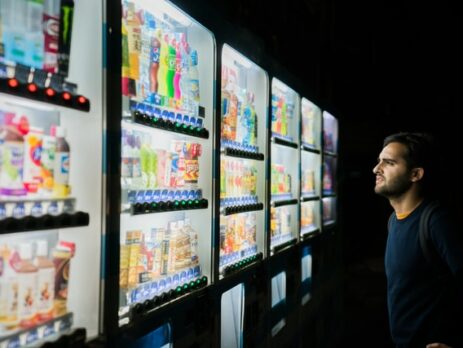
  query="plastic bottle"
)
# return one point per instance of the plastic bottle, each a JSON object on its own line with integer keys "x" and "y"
{"x": 61, "y": 165}
{"x": 154, "y": 57}
{"x": 62, "y": 255}
{"x": 45, "y": 282}
{"x": 193, "y": 77}
{"x": 178, "y": 73}
{"x": 32, "y": 175}
{"x": 11, "y": 176}
{"x": 134, "y": 41}
{"x": 184, "y": 64}
{"x": 47, "y": 161}
{"x": 14, "y": 30}
{"x": 27, "y": 287}
{"x": 171, "y": 60}
{"x": 163, "y": 65}
{"x": 9, "y": 318}
{"x": 50, "y": 19}
{"x": 34, "y": 34}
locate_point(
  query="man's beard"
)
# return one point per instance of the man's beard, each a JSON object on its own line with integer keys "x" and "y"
{"x": 394, "y": 188}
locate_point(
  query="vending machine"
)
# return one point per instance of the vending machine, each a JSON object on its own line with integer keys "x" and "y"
{"x": 284, "y": 166}
{"x": 50, "y": 171}
{"x": 329, "y": 182}
{"x": 241, "y": 225}
{"x": 161, "y": 190}
{"x": 310, "y": 172}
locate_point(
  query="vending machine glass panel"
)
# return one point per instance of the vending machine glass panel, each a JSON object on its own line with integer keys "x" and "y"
{"x": 166, "y": 155}
{"x": 242, "y": 155}
{"x": 284, "y": 166}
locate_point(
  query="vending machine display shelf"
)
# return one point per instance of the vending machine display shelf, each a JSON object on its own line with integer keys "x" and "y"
{"x": 306, "y": 197}
{"x": 140, "y": 309}
{"x": 329, "y": 223}
{"x": 166, "y": 206}
{"x": 329, "y": 153}
{"x": 237, "y": 209}
{"x": 44, "y": 222}
{"x": 284, "y": 245}
{"x": 169, "y": 125}
{"x": 242, "y": 154}
{"x": 327, "y": 194}
{"x": 308, "y": 232}
{"x": 281, "y": 141}
{"x": 309, "y": 148}
{"x": 237, "y": 266}
{"x": 280, "y": 203}
{"x": 45, "y": 330}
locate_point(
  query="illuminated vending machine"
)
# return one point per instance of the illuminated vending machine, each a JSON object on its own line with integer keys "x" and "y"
{"x": 311, "y": 163}
{"x": 329, "y": 184}
{"x": 50, "y": 171}
{"x": 284, "y": 166}
{"x": 166, "y": 156}
{"x": 244, "y": 103}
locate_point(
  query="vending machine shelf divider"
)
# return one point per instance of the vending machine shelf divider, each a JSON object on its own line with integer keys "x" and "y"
{"x": 309, "y": 148}
{"x": 241, "y": 208}
{"x": 329, "y": 223}
{"x": 284, "y": 202}
{"x": 242, "y": 154}
{"x": 309, "y": 198}
{"x": 329, "y": 153}
{"x": 166, "y": 206}
{"x": 140, "y": 310}
{"x": 284, "y": 142}
{"x": 244, "y": 263}
{"x": 328, "y": 194}
{"x": 311, "y": 234}
{"x": 280, "y": 247}
{"x": 44, "y": 222}
{"x": 169, "y": 125}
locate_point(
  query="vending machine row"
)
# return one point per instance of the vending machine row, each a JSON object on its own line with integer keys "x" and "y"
{"x": 142, "y": 202}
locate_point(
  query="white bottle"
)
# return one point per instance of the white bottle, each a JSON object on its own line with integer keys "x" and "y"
{"x": 27, "y": 287}
{"x": 9, "y": 318}
{"x": 61, "y": 165}
{"x": 45, "y": 282}
{"x": 34, "y": 34}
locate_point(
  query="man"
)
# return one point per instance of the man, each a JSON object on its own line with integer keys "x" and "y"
{"x": 424, "y": 303}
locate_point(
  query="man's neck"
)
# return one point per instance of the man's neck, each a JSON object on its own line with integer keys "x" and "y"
{"x": 406, "y": 203}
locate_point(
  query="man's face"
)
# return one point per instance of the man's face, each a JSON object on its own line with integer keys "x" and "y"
{"x": 393, "y": 177}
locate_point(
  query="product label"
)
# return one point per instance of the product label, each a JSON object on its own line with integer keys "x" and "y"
{"x": 12, "y": 168}
{"x": 61, "y": 172}
{"x": 26, "y": 298}
{"x": 46, "y": 292}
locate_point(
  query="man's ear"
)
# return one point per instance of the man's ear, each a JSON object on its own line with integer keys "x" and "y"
{"x": 417, "y": 174}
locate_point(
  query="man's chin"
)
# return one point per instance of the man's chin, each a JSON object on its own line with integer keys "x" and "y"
{"x": 380, "y": 192}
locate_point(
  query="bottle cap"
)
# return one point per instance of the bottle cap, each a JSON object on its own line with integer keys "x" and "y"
{"x": 25, "y": 251}
{"x": 60, "y": 132}
{"x": 42, "y": 248}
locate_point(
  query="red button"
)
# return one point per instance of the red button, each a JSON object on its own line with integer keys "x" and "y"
{"x": 32, "y": 87}
{"x": 50, "y": 92}
{"x": 13, "y": 83}
{"x": 67, "y": 96}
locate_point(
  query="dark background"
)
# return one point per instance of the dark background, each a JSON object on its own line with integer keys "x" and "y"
{"x": 380, "y": 67}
